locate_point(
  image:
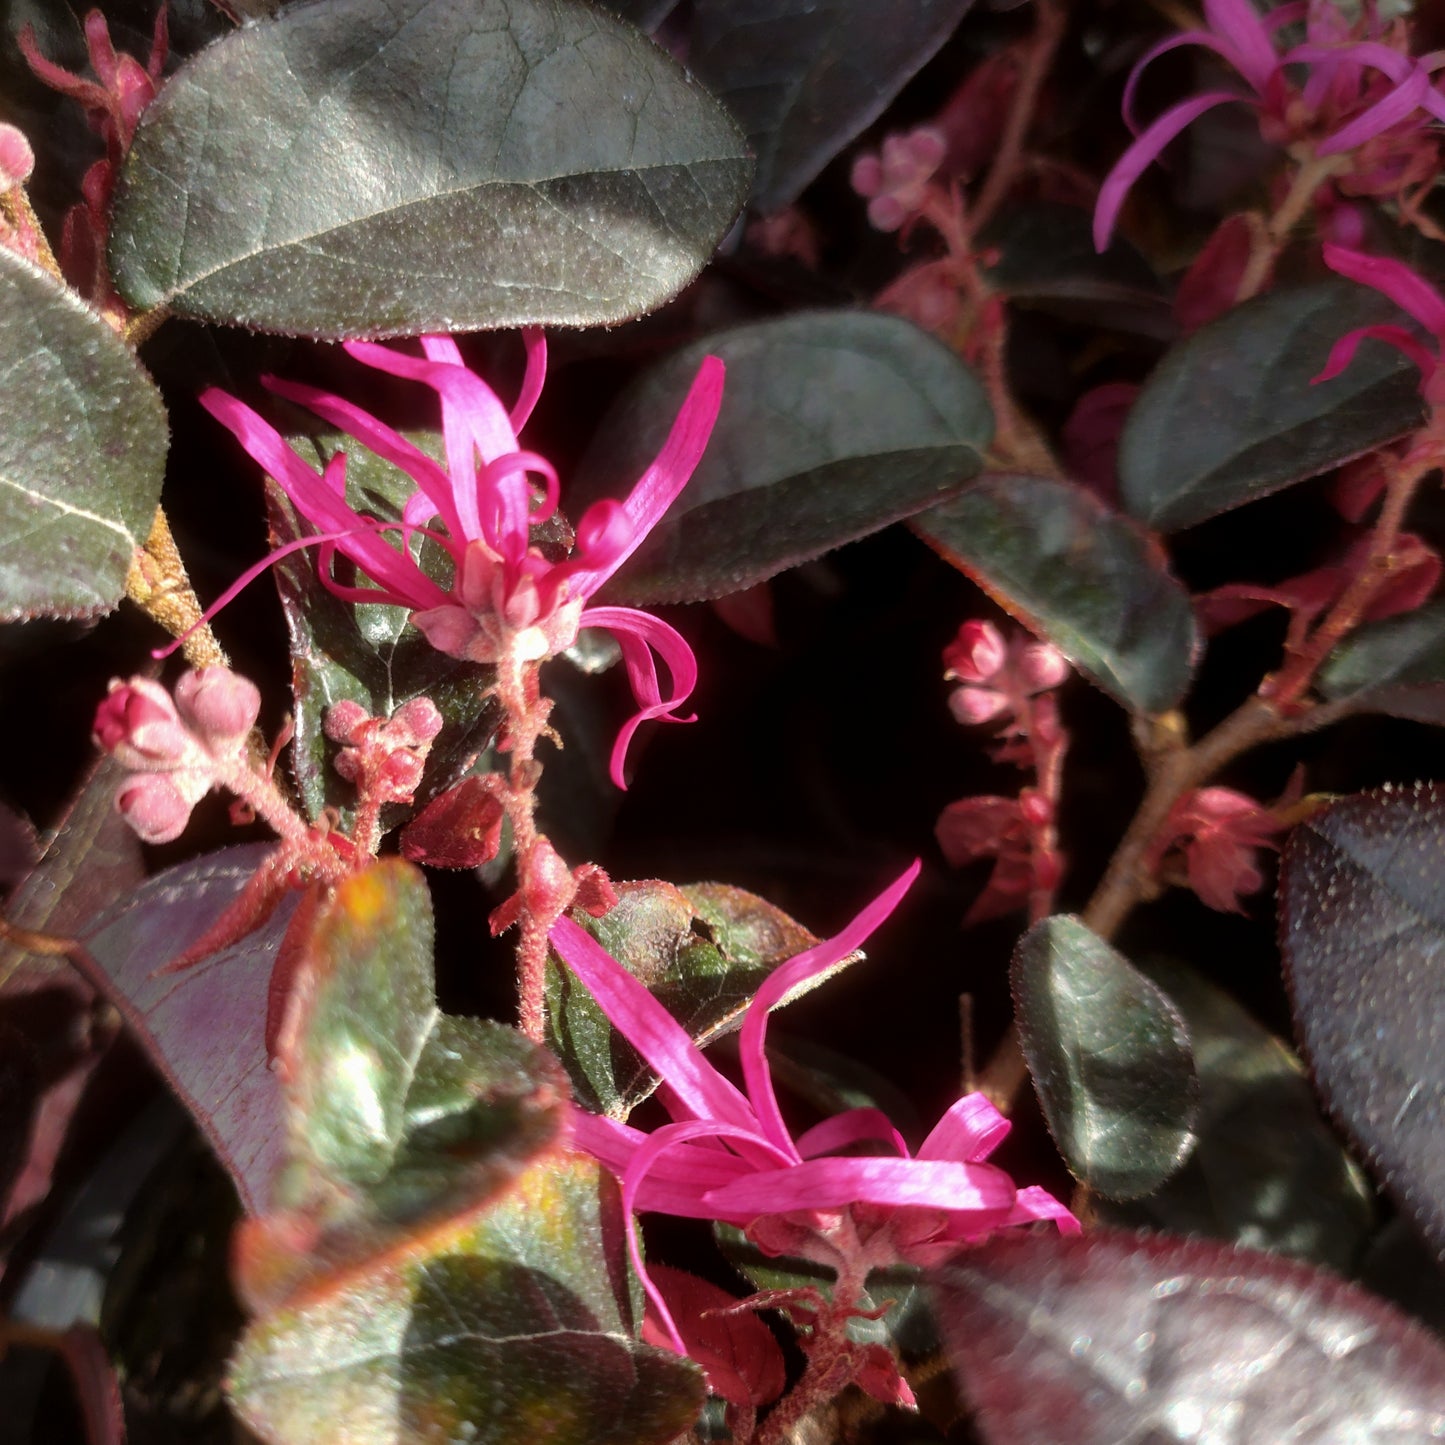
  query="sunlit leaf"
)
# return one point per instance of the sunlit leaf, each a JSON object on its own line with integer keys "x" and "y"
{"x": 1232, "y": 412}
{"x": 833, "y": 424}
{"x": 425, "y": 165}
{"x": 1109, "y": 1337}
{"x": 1363, "y": 929}
{"x": 82, "y": 451}
{"x": 1088, "y": 580}
{"x": 1110, "y": 1058}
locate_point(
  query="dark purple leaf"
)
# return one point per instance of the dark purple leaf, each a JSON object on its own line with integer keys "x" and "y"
{"x": 1110, "y": 1058}
{"x": 204, "y": 1028}
{"x": 1362, "y": 919}
{"x": 1110, "y": 1337}
{"x": 1396, "y": 666}
{"x": 805, "y": 76}
{"x": 1090, "y": 581}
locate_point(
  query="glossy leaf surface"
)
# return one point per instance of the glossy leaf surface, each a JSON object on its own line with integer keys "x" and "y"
{"x": 369, "y": 653}
{"x": 1396, "y": 666}
{"x": 1267, "y": 1171}
{"x": 428, "y": 165}
{"x": 833, "y": 424}
{"x": 1362, "y": 928}
{"x": 1231, "y": 413}
{"x": 1083, "y": 577}
{"x": 1109, "y": 1337}
{"x": 701, "y": 949}
{"x": 509, "y": 1332}
{"x": 81, "y": 460}
{"x": 805, "y": 76}
{"x": 1110, "y": 1058}
{"x": 205, "y": 1027}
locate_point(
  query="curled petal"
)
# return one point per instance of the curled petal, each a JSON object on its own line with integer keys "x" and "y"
{"x": 1132, "y": 164}
{"x": 1238, "y": 24}
{"x": 1199, "y": 38}
{"x": 535, "y": 340}
{"x": 783, "y": 980}
{"x": 945, "y": 1184}
{"x": 970, "y": 1131}
{"x": 1404, "y": 286}
{"x": 852, "y": 1126}
{"x": 1400, "y": 104}
{"x": 640, "y": 635}
{"x": 1343, "y": 351}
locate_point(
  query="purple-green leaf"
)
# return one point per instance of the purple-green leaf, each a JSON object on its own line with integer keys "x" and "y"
{"x": 1110, "y": 1057}
{"x": 425, "y": 165}
{"x": 1232, "y": 412}
{"x": 82, "y": 451}
{"x": 1362, "y": 920}
{"x": 1396, "y": 666}
{"x": 1110, "y": 1337}
{"x": 204, "y": 1028}
{"x": 833, "y": 424}
{"x": 510, "y": 1331}
{"x": 805, "y": 76}
{"x": 1090, "y": 581}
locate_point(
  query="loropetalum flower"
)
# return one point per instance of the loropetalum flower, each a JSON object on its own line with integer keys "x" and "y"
{"x": 1219, "y": 832}
{"x": 998, "y": 677}
{"x": 1410, "y": 292}
{"x": 1361, "y": 91}
{"x": 729, "y": 1156}
{"x": 895, "y": 179}
{"x": 508, "y": 603}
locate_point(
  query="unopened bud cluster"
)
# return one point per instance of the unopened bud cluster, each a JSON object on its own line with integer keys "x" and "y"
{"x": 998, "y": 676}
{"x": 895, "y": 181}
{"x": 384, "y": 758}
{"x": 178, "y": 748}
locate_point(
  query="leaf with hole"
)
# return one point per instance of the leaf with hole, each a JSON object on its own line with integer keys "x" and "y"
{"x": 833, "y": 424}
{"x": 1084, "y": 578}
{"x": 81, "y": 460}
{"x": 1232, "y": 413}
{"x": 1362, "y": 927}
{"x": 427, "y": 165}
{"x": 1109, "y": 1337}
{"x": 1110, "y": 1058}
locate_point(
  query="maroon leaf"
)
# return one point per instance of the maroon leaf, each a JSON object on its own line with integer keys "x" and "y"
{"x": 1115, "y": 1337}
{"x": 461, "y": 828}
{"x": 204, "y": 1027}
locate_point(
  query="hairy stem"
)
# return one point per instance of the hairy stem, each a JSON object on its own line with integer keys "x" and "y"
{"x": 158, "y": 585}
{"x": 1271, "y": 240}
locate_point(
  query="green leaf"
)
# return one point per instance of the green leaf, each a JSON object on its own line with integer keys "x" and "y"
{"x": 833, "y": 425}
{"x": 1091, "y": 582}
{"x": 1231, "y": 413}
{"x": 702, "y": 950}
{"x": 1267, "y": 1171}
{"x": 1362, "y": 929}
{"x": 369, "y": 653}
{"x": 1110, "y": 1058}
{"x": 82, "y": 451}
{"x": 508, "y": 1334}
{"x": 1396, "y": 666}
{"x": 806, "y": 76}
{"x": 426, "y": 165}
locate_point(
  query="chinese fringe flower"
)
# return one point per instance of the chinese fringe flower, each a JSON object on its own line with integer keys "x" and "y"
{"x": 1218, "y": 830}
{"x": 1410, "y": 292}
{"x": 894, "y": 181}
{"x": 1363, "y": 92}
{"x": 508, "y": 604}
{"x": 728, "y": 1155}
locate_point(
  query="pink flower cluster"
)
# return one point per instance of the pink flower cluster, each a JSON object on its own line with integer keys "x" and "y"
{"x": 507, "y": 603}
{"x": 1218, "y": 832}
{"x": 178, "y": 750}
{"x": 895, "y": 180}
{"x": 729, "y": 1156}
{"x": 383, "y": 758}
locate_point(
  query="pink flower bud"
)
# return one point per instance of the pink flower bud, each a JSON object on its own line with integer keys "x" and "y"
{"x": 399, "y": 775}
{"x": 976, "y": 654}
{"x": 221, "y": 706}
{"x": 1035, "y": 808}
{"x": 420, "y": 718}
{"x": 154, "y": 807}
{"x": 138, "y": 725}
{"x": 17, "y": 160}
{"x": 344, "y": 721}
{"x": 1042, "y": 667}
{"x": 974, "y": 705}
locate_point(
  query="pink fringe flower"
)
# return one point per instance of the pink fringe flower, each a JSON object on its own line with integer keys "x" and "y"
{"x": 1219, "y": 832}
{"x": 1362, "y": 90}
{"x": 508, "y": 604}
{"x": 728, "y": 1155}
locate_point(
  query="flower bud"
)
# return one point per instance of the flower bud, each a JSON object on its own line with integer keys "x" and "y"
{"x": 973, "y": 705}
{"x": 976, "y": 654}
{"x": 220, "y": 705}
{"x": 156, "y": 809}
{"x": 344, "y": 720}
{"x": 138, "y": 725}
{"x": 1042, "y": 667}
{"x": 17, "y": 160}
{"x": 420, "y": 718}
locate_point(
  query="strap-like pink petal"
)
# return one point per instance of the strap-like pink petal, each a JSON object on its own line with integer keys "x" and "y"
{"x": 783, "y": 980}
{"x": 852, "y": 1126}
{"x": 970, "y": 1131}
{"x": 651, "y": 1030}
{"x": 1132, "y": 164}
{"x": 1343, "y": 351}
{"x": 1239, "y": 25}
{"x": 1201, "y": 39}
{"x": 535, "y": 340}
{"x": 1404, "y": 286}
